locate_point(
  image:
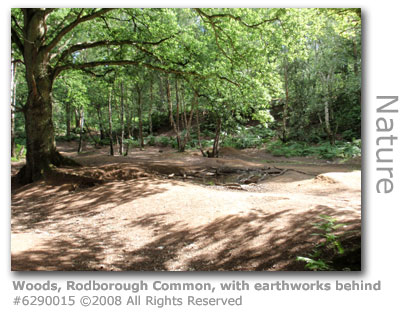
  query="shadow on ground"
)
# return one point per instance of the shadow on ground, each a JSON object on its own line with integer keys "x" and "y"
{"x": 179, "y": 247}
{"x": 66, "y": 217}
{"x": 53, "y": 201}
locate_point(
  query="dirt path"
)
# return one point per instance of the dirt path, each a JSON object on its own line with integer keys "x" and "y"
{"x": 141, "y": 212}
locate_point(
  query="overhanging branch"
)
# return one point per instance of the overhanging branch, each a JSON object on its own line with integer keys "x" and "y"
{"x": 138, "y": 62}
{"x": 94, "y": 64}
{"x": 237, "y": 18}
{"x": 72, "y": 25}
{"x": 106, "y": 43}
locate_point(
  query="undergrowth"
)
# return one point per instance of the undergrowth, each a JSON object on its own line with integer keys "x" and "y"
{"x": 243, "y": 137}
{"x": 249, "y": 137}
{"x": 323, "y": 150}
{"x": 328, "y": 249}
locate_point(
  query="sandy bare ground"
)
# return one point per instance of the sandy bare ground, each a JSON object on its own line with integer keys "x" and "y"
{"x": 126, "y": 213}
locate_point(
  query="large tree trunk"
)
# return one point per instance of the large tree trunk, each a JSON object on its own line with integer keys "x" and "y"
{"x": 40, "y": 143}
{"x": 41, "y": 149}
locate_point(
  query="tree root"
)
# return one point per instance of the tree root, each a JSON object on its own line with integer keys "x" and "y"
{"x": 56, "y": 159}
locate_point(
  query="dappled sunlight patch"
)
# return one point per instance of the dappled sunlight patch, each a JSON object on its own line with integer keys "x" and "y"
{"x": 258, "y": 240}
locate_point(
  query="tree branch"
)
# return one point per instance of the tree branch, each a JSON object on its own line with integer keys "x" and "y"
{"x": 97, "y": 75}
{"x": 191, "y": 73}
{"x": 216, "y": 35}
{"x": 16, "y": 22}
{"x": 230, "y": 16}
{"x": 16, "y": 39}
{"x": 139, "y": 62}
{"x": 65, "y": 19}
{"x": 17, "y": 61}
{"x": 93, "y": 64}
{"x": 105, "y": 43}
{"x": 48, "y": 11}
{"x": 15, "y": 109}
{"x": 172, "y": 71}
{"x": 72, "y": 25}
{"x": 228, "y": 80}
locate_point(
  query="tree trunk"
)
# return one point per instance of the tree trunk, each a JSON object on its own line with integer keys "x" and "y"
{"x": 181, "y": 147}
{"x": 20, "y": 153}
{"x": 68, "y": 120}
{"x": 327, "y": 108}
{"x": 127, "y": 149}
{"x": 77, "y": 120}
{"x": 162, "y": 94}
{"x": 285, "y": 111}
{"x": 133, "y": 133}
{"x": 100, "y": 122}
{"x": 328, "y": 129}
{"x": 40, "y": 142}
{"x": 356, "y": 58}
{"x": 170, "y": 107}
{"x": 13, "y": 103}
{"x": 111, "y": 142}
{"x": 188, "y": 121}
{"x": 41, "y": 148}
{"x": 175, "y": 126}
{"x": 141, "y": 144}
{"x": 81, "y": 116}
{"x": 12, "y": 133}
{"x": 183, "y": 106}
{"x": 198, "y": 133}
{"x": 90, "y": 133}
{"x": 150, "y": 107}
{"x": 121, "y": 142}
{"x": 215, "y": 150}
{"x": 128, "y": 112}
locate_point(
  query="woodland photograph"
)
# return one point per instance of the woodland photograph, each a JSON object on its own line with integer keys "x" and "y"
{"x": 185, "y": 139}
